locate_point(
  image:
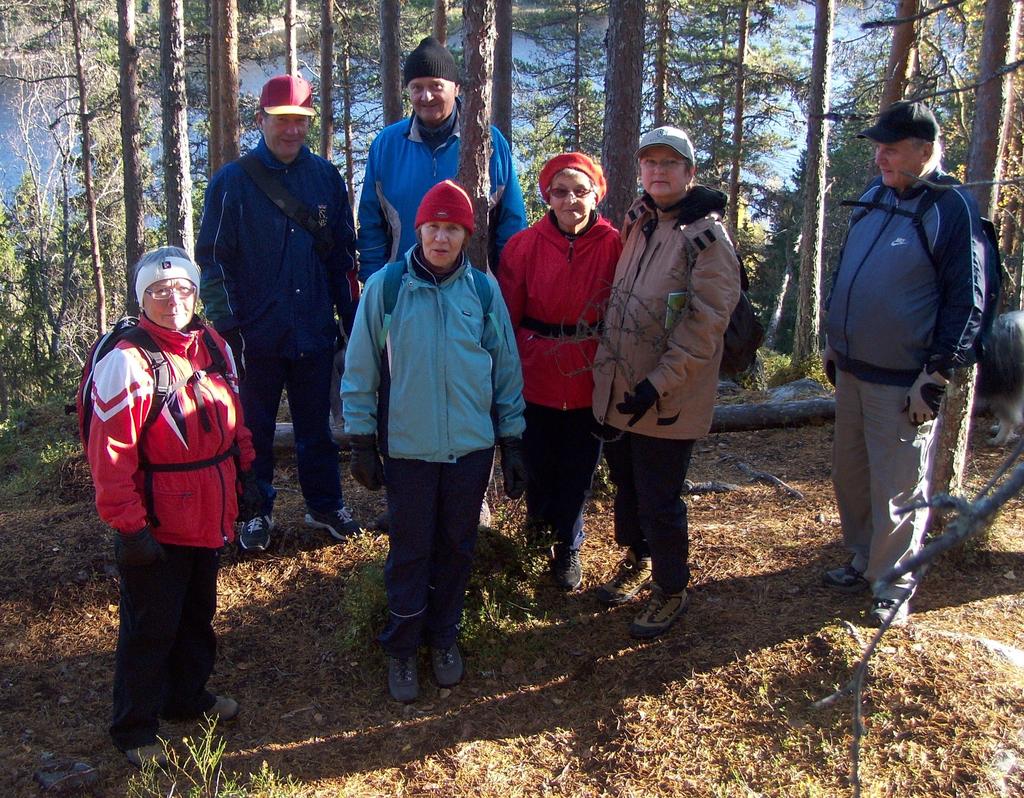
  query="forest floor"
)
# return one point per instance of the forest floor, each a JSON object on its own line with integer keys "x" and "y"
{"x": 557, "y": 700}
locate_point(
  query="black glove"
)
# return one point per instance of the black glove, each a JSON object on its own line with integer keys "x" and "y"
{"x": 639, "y": 402}
{"x": 235, "y": 341}
{"x": 828, "y": 362}
{"x": 367, "y": 468}
{"x": 138, "y": 549}
{"x": 250, "y": 500}
{"x": 513, "y": 466}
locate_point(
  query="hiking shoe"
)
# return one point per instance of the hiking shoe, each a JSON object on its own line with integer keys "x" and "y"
{"x": 223, "y": 708}
{"x": 630, "y": 578}
{"x": 846, "y": 580}
{"x": 255, "y": 534}
{"x": 381, "y": 522}
{"x": 447, "y": 664}
{"x": 146, "y": 755}
{"x": 403, "y": 683}
{"x": 888, "y": 610}
{"x": 568, "y": 569}
{"x": 339, "y": 524}
{"x": 660, "y": 613}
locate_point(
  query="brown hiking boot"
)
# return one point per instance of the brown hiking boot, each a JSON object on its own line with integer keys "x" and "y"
{"x": 630, "y": 578}
{"x": 661, "y": 612}
{"x": 147, "y": 756}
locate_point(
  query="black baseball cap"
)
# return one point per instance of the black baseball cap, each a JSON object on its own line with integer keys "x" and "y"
{"x": 903, "y": 120}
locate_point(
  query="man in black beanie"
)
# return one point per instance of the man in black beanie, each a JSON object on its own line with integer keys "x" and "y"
{"x": 409, "y": 157}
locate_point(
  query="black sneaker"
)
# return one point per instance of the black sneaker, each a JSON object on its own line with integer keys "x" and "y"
{"x": 846, "y": 580}
{"x": 568, "y": 569}
{"x": 255, "y": 533}
{"x": 339, "y": 524}
{"x": 447, "y": 664}
{"x": 403, "y": 682}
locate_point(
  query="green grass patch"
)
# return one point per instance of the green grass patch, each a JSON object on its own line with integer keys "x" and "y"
{"x": 37, "y": 445}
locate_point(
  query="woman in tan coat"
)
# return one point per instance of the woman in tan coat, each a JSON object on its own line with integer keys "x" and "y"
{"x": 656, "y": 370}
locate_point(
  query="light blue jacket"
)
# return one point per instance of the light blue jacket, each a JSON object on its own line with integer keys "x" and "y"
{"x": 401, "y": 168}
{"x": 449, "y": 377}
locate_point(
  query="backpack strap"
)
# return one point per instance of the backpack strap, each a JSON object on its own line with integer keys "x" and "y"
{"x": 157, "y": 360}
{"x": 393, "y": 283}
{"x": 295, "y": 210}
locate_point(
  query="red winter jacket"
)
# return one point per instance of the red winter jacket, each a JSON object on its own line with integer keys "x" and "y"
{"x": 193, "y": 508}
{"x": 545, "y": 277}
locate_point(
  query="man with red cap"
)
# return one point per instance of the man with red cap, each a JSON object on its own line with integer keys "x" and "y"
{"x": 275, "y": 284}
{"x": 556, "y": 277}
{"x": 432, "y": 382}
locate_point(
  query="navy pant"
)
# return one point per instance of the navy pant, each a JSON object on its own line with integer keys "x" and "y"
{"x": 562, "y": 451}
{"x": 308, "y": 381}
{"x": 650, "y": 514}
{"x": 435, "y": 510}
{"x": 165, "y": 643}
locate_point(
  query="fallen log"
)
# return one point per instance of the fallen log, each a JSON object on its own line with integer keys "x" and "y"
{"x": 728, "y": 418}
{"x": 773, "y": 415}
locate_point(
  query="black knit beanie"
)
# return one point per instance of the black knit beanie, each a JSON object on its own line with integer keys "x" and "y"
{"x": 430, "y": 59}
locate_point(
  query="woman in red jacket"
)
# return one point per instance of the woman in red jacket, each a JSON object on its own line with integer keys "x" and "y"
{"x": 167, "y": 484}
{"x": 556, "y": 277}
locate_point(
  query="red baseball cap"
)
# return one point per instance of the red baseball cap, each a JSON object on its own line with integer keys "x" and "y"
{"x": 287, "y": 94}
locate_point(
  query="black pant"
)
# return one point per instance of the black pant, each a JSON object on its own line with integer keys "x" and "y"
{"x": 165, "y": 644}
{"x": 650, "y": 514}
{"x": 562, "y": 451}
{"x": 435, "y": 510}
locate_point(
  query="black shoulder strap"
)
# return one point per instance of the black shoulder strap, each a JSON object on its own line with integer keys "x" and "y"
{"x": 288, "y": 203}
{"x": 144, "y": 342}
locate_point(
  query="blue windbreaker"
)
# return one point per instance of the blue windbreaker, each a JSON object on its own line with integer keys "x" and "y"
{"x": 448, "y": 380}
{"x": 260, "y": 271}
{"x": 401, "y": 168}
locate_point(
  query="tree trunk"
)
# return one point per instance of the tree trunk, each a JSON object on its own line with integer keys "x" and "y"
{"x": 737, "y": 120}
{"x": 983, "y": 164}
{"x": 441, "y": 19}
{"x": 90, "y": 193}
{"x": 806, "y": 342}
{"x": 291, "y": 50}
{"x": 662, "y": 35}
{"x": 177, "y": 174}
{"x": 897, "y": 73}
{"x": 214, "y": 9}
{"x": 229, "y": 134}
{"x": 623, "y": 93}
{"x": 475, "y": 144}
{"x": 577, "y": 77}
{"x": 346, "y": 107}
{"x": 131, "y": 148}
{"x": 773, "y": 323}
{"x": 326, "y": 78}
{"x": 503, "y": 68}
{"x": 391, "y": 60}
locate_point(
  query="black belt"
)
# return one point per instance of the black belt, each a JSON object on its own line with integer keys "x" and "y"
{"x": 194, "y": 465}
{"x": 547, "y": 330}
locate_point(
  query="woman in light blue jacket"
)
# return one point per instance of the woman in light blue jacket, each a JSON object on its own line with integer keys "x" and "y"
{"x": 432, "y": 381}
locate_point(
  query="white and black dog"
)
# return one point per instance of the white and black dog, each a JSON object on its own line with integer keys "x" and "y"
{"x": 1001, "y": 374}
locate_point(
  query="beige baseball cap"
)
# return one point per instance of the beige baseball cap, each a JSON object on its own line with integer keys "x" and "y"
{"x": 668, "y": 136}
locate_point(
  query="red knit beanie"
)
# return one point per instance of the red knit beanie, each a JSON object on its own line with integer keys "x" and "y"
{"x": 446, "y": 202}
{"x": 577, "y": 161}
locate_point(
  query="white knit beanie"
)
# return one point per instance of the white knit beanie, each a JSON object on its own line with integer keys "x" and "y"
{"x": 164, "y": 263}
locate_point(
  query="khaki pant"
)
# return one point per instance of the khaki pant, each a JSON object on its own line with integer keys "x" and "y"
{"x": 880, "y": 463}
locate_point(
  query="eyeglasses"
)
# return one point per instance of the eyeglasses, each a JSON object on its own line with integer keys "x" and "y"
{"x": 667, "y": 164}
{"x": 562, "y": 193}
{"x": 163, "y": 293}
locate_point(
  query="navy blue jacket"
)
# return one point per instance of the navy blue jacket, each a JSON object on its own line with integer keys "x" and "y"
{"x": 892, "y": 310}
{"x": 260, "y": 271}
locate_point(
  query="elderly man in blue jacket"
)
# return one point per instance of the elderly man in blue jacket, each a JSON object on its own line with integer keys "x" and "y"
{"x": 272, "y": 286}
{"x": 905, "y": 308}
{"x": 410, "y": 157}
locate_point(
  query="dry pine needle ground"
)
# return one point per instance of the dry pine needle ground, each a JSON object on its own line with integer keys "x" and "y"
{"x": 557, "y": 699}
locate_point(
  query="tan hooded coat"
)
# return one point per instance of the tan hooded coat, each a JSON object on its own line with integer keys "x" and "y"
{"x": 674, "y": 290}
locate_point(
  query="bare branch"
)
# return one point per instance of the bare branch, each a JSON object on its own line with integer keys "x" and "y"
{"x": 892, "y": 22}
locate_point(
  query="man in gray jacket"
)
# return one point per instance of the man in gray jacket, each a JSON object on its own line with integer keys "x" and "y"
{"x": 904, "y": 310}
